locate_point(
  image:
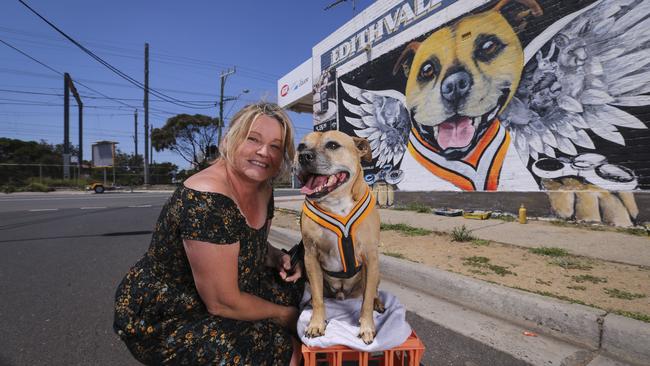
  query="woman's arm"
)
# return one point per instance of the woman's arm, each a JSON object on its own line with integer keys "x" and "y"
{"x": 214, "y": 268}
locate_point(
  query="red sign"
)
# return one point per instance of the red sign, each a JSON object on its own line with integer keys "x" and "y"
{"x": 285, "y": 90}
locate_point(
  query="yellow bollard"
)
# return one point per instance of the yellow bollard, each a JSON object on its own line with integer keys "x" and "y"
{"x": 522, "y": 214}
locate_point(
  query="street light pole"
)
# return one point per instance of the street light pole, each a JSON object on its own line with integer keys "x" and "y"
{"x": 224, "y": 75}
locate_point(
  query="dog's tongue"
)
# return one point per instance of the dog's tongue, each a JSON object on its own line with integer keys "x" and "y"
{"x": 312, "y": 183}
{"x": 455, "y": 133}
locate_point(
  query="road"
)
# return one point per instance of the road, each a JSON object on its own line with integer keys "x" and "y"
{"x": 63, "y": 255}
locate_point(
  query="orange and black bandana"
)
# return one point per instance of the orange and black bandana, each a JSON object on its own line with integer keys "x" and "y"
{"x": 478, "y": 171}
{"x": 344, "y": 228}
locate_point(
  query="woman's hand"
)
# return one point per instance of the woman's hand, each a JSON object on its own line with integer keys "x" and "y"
{"x": 281, "y": 261}
{"x": 286, "y": 272}
{"x": 288, "y": 318}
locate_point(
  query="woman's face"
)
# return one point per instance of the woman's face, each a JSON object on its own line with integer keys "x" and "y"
{"x": 259, "y": 157}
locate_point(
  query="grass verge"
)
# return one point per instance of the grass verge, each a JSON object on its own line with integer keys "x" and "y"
{"x": 550, "y": 251}
{"x": 589, "y": 278}
{"x": 405, "y": 229}
{"x": 622, "y": 294}
{"x": 417, "y": 207}
{"x": 395, "y": 255}
{"x": 484, "y": 263}
{"x": 571, "y": 263}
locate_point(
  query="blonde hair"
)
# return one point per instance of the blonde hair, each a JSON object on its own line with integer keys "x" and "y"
{"x": 240, "y": 126}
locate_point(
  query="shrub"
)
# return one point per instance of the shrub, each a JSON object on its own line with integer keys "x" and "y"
{"x": 461, "y": 234}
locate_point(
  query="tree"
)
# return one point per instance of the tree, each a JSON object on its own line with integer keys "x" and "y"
{"x": 192, "y": 137}
{"x": 20, "y": 160}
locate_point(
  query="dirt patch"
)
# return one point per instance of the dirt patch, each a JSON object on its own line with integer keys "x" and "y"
{"x": 621, "y": 288}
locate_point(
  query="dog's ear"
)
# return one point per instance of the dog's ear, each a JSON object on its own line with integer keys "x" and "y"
{"x": 364, "y": 148}
{"x": 534, "y": 7}
{"x": 519, "y": 19}
{"x": 406, "y": 58}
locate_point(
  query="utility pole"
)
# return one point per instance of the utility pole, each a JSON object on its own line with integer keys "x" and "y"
{"x": 66, "y": 126}
{"x": 151, "y": 145}
{"x": 68, "y": 86}
{"x": 146, "y": 114}
{"x": 151, "y": 149}
{"x": 135, "y": 134}
{"x": 224, "y": 75}
{"x": 80, "y": 107}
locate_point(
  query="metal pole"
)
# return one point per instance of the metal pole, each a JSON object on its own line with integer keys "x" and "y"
{"x": 72, "y": 88}
{"x": 81, "y": 139}
{"x": 135, "y": 134}
{"x": 151, "y": 145}
{"x": 224, "y": 75}
{"x": 146, "y": 113}
{"x": 113, "y": 164}
{"x": 66, "y": 126}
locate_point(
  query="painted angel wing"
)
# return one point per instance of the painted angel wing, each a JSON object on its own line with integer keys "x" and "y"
{"x": 595, "y": 62}
{"x": 383, "y": 119}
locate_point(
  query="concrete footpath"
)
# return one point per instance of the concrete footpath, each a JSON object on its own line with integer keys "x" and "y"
{"x": 566, "y": 334}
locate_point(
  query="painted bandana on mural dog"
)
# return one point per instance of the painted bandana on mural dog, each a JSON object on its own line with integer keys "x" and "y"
{"x": 493, "y": 102}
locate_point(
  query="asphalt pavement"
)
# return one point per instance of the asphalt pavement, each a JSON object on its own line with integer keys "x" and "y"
{"x": 59, "y": 268}
{"x": 62, "y": 256}
{"x": 566, "y": 334}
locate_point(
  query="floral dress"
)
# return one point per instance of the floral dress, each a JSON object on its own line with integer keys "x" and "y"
{"x": 158, "y": 311}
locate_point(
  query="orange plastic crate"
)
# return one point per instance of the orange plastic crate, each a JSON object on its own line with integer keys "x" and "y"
{"x": 408, "y": 353}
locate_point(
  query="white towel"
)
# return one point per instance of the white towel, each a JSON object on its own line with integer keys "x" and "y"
{"x": 343, "y": 323}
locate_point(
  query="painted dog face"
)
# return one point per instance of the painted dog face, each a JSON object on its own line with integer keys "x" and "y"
{"x": 460, "y": 78}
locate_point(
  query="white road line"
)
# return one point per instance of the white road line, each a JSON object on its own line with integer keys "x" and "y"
{"x": 43, "y": 209}
{"x": 138, "y": 206}
{"x": 111, "y": 196}
{"x": 92, "y": 208}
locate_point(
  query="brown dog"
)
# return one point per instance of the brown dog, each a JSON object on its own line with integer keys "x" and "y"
{"x": 340, "y": 227}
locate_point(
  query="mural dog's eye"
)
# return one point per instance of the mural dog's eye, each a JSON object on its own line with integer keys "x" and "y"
{"x": 487, "y": 47}
{"x": 428, "y": 70}
{"x": 301, "y": 147}
{"x": 332, "y": 145}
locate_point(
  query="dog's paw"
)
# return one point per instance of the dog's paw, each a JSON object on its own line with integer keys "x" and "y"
{"x": 574, "y": 199}
{"x": 367, "y": 332}
{"x": 315, "y": 328}
{"x": 384, "y": 193}
{"x": 378, "y": 306}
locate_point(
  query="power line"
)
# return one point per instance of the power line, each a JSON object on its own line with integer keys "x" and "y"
{"x": 156, "y": 56}
{"x": 94, "y": 97}
{"x": 111, "y": 67}
{"x": 60, "y": 73}
{"x": 30, "y": 57}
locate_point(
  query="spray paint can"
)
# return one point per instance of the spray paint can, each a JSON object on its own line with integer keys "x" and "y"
{"x": 522, "y": 214}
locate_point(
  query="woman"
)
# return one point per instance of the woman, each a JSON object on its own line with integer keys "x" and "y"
{"x": 207, "y": 291}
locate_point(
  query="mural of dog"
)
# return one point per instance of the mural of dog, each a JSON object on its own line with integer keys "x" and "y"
{"x": 480, "y": 107}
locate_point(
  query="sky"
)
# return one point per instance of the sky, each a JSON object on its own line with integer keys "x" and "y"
{"x": 191, "y": 43}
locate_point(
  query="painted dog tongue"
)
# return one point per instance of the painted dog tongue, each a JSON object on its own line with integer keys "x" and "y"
{"x": 455, "y": 133}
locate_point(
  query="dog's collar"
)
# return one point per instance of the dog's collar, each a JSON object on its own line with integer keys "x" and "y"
{"x": 478, "y": 171}
{"x": 344, "y": 228}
